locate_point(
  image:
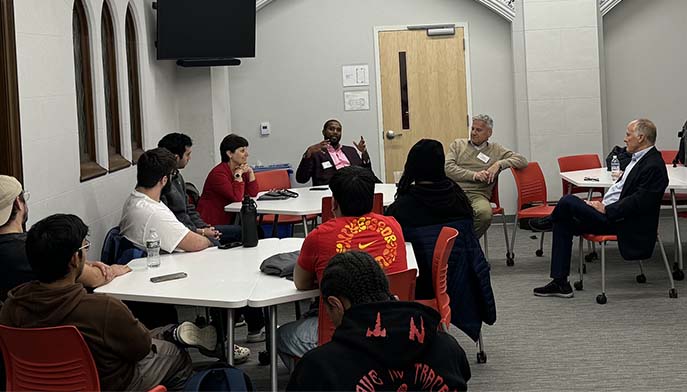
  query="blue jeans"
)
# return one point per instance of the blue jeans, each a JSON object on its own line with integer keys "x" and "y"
{"x": 296, "y": 338}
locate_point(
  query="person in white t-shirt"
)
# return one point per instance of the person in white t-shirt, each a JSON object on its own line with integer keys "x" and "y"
{"x": 143, "y": 210}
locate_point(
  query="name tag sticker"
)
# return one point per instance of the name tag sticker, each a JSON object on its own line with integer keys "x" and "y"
{"x": 483, "y": 157}
{"x": 326, "y": 165}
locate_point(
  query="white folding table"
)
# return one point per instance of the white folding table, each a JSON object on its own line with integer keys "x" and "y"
{"x": 308, "y": 202}
{"x": 229, "y": 279}
{"x": 601, "y": 178}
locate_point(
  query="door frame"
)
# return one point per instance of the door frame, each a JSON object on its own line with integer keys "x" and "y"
{"x": 378, "y": 77}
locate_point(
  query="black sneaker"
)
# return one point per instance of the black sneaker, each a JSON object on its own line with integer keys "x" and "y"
{"x": 553, "y": 289}
{"x": 541, "y": 224}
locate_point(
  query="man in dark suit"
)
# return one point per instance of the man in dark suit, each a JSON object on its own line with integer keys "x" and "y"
{"x": 321, "y": 160}
{"x": 629, "y": 209}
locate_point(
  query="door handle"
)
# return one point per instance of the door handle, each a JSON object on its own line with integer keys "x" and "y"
{"x": 391, "y": 134}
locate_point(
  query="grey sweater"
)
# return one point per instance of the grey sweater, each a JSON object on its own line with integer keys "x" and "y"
{"x": 177, "y": 201}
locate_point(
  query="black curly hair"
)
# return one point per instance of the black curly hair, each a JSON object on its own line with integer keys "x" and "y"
{"x": 357, "y": 277}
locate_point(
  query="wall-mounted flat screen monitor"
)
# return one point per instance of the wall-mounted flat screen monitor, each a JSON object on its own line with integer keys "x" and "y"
{"x": 205, "y": 29}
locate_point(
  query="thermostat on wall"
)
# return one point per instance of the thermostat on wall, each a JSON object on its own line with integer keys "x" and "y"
{"x": 264, "y": 128}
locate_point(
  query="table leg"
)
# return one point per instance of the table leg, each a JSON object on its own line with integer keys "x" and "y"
{"x": 230, "y": 336}
{"x": 677, "y": 230}
{"x": 275, "y": 226}
{"x": 305, "y": 225}
{"x": 273, "y": 347}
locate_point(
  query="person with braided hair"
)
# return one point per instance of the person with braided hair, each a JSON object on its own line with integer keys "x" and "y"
{"x": 425, "y": 195}
{"x": 355, "y": 227}
{"x": 379, "y": 343}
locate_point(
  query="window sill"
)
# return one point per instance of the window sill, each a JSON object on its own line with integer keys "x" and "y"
{"x": 91, "y": 170}
{"x": 136, "y": 154}
{"x": 118, "y": 162}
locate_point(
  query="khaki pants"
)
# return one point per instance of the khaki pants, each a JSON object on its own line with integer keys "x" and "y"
{"x": 166, "y": 364}
{"x": 482, "y": 213}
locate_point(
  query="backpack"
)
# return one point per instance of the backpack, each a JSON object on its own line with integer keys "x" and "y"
{"x": 222, "y": 377}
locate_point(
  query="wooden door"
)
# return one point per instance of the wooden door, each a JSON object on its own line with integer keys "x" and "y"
{"x": 423, "y": 90}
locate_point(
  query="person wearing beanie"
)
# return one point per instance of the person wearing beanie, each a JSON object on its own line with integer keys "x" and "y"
{"x": 379, "y": 343}
{"x": 475, "y": 163}
{"x": 14, "y": 266}
{"x": 425, "y": 195}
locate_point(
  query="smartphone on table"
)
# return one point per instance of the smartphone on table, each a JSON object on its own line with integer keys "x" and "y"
{"x": 164, "y": 278}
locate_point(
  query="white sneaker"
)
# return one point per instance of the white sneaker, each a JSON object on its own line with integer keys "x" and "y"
{"x": 241, "y": 354}
{"x": 191, "y": 335}
{"x": 256, "y": 337}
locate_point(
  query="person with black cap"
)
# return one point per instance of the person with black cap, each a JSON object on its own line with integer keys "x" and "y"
{"x": 379, "y": 343}
{"x": 425, "y": 195}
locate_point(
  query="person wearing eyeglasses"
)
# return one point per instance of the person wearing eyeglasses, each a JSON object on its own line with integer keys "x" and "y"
{"x": 127, "y": 355}
{"x": 14, "y": 266}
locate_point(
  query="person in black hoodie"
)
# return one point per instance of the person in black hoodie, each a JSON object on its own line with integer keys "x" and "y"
{"x": 425, "y": 196}
{"x": 379, "y": 344}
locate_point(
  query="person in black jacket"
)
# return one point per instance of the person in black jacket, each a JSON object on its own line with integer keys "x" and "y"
{"x": 629, "y": 209}
{"x": 425, "y": 195}
{"x": 379, "y": 344}
{"x": 321, "y": 160}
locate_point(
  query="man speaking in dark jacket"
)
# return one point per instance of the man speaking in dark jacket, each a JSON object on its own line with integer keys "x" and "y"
{"x": 629, "y": 209}
{"x": 379, "y": 344}
{"x": 321, "y": 160}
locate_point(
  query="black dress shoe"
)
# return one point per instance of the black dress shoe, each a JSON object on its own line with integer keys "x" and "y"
{"x": 541, "y": 224}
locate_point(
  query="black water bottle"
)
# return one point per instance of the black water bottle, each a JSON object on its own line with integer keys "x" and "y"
{"x": 249, "y": 226}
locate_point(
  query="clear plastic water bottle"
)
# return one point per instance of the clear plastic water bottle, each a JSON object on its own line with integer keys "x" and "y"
{"x": 153, "y": 249}
{"x": 615, "y": 167}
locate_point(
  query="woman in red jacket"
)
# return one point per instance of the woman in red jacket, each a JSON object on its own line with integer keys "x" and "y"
{"x": 227, "y": 182}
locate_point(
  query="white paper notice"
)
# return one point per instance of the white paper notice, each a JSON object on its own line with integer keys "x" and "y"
{"x": 356, "y": 75}
{"x": 356, "y": 100}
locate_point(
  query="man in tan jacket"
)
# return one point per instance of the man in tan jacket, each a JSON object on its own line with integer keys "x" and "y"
{"x": 474, "y": 164}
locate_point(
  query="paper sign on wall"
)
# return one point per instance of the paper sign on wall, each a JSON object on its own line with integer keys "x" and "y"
{"x": 356, "y": 75}
{"x": 356, "y": 100}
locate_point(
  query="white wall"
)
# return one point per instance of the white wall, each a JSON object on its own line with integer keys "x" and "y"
{"x": 646, "y": 67}
{"x": 295, "y": 80}
{"x": 45, "y": 64}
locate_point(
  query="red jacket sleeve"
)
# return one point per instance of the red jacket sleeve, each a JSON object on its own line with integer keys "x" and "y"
{"x": 251, "y": 187}
{"x": 224, "y": 185}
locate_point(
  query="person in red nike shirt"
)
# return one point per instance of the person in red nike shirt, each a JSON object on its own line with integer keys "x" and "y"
{"x": 355, "y": 227}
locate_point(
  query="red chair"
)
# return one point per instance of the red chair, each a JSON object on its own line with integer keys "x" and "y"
{"x": 531, "y": 192}
{"x": 579, "y": 162}
{"x": 641, "y": 278}
{"x": 49, "y": 359}
{"x": 497, "y": 210}
{"x": 668, "y": 156}
{"x": 442, "y": 250}
{"x": 277, "y": 179}
{"x": 327, "y": 213}
{"x": 402, "y": 284}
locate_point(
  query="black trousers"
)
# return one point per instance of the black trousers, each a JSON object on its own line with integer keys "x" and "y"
{"x": 571, "y": 217}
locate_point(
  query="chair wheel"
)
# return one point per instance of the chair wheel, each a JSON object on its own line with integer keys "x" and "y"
{"x": 641, "y": 278}
{"x": 510, "y": 262}
{"x": 591, "y": 257}
{"x": 539, "y": 253}
{"x": 578, "y": 285}
{"x": 601, "y": 299}
{"x": 263, "y": 358}
{"x": 678, "y": 274}
{"x": 481, "y": 357}
{"x": 672, "y": 293}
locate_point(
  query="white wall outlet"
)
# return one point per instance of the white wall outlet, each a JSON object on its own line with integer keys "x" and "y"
{"x": 265, "y": 128}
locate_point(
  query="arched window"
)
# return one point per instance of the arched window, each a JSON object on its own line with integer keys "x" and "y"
{"x": 114, "y": 142}
{"x": 134, "y": 86}
{"x": 84, "y": 94}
